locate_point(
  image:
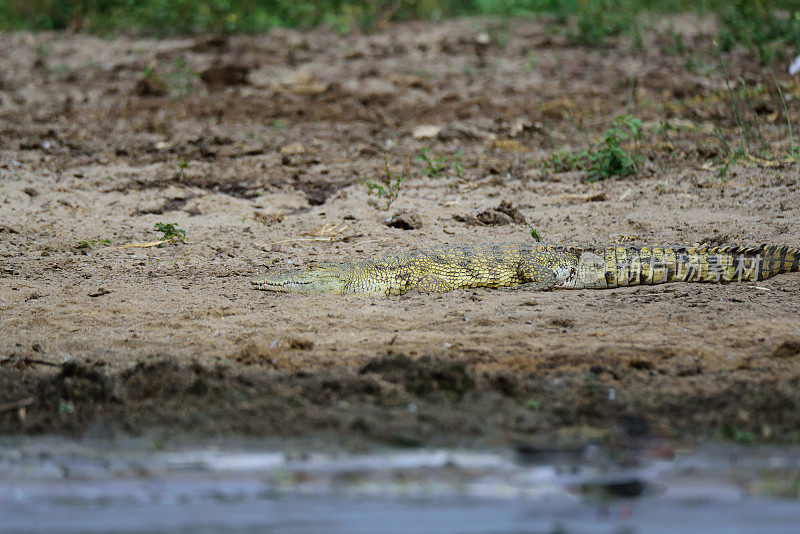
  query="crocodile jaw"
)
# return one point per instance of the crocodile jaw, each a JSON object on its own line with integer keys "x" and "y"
{"x": 324, "y": 280}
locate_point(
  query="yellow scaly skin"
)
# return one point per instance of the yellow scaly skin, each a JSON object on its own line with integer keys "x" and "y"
{"x": 538, "y": 267}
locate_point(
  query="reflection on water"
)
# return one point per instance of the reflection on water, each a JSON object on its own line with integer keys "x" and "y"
{"x": 59, "y": 486}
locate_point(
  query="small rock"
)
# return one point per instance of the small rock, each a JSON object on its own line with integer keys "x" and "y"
{"x": 562, "y": 322}
{"x": 426, "y": 131}
{"x": 31, "y": 192}
{"x": 150, "y": 86}
{"x": 522, "y": 125}
{"x": 292, "y": 149}
{"x": 463, "y": 131}
{"x": 210, "y": 44}
{"x": 151, "y": 207}
{"x": 370, "y": 89}
{"x": 511, "y": 211}
{"x": 405, "y": 220}
{"x": 494, "y": 218}
{"x": 503, "y": 214}
{"x": 304, "y": 83}
{"x": 469, "y": 220}
{"x": 221, "y": 75}
{"x": 483, "y": 38}
{"x": 787, "y": 349}
{"x": 409, "y": 80}
{"x": 100, "y": 292}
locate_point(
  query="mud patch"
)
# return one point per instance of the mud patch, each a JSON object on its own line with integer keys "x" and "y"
{"x": 423, "y": 376}
{"x": 393, "y": 398}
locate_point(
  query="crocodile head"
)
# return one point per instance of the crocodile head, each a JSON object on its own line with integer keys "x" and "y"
{"x": 321, "y": 279}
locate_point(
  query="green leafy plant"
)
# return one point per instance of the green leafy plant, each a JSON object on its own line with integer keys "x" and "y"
{"x": 499, "y": 33}
{"x": 534, "y": 233}
{"x": 152, "y": 82}
{"x": 44, "y": 50}
{"x": 762, "y": 26}
{"x": 170, "y": 233}
{"x": 605, "y": 157}
{"x": 533, "y": 404}
{"x": 180, "y": 79}
{"x": 60, "y": 68}
{"x": 149, "y": 71}
{"x": 738, "y": 435}
{"x": 794, "y": 148}
{"x": 433, "y": 167}
{"x": 562, "y": 161}
{"x": 744, "y": 127}
{"x": 388, "y": 185}
{"x": 724, "y": 168}
{"x": 599, "y": 19}
{"x": 183, "y": 164}
{"x": 531, "y": 60}
{"x": 678, "y": 46}
{"x": 768, "y": 26}
{"x": 749, "y": 129}
{"x": 457, "y": 167}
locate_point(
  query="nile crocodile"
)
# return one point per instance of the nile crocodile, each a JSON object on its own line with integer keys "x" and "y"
{"x": 538, "y": 267}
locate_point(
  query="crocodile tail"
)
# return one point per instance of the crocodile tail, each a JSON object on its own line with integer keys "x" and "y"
{"x": 727, "y": 263}
{"x": 708, "y": 262}
{"x": 778, "y": 260}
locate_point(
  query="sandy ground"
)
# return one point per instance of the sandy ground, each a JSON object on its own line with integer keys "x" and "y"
{"x": 276, "y": 135}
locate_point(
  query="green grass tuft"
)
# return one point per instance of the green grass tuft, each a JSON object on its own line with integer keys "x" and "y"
{"x": 388, "y": 185}
{"x": 605, "y": 157}
{"x": 170, "y": 232}
{"x": 433, "y": 166}
{"x": 771, "y": 28}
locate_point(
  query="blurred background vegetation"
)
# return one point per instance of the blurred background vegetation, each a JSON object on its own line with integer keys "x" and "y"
{"x": 769, "y": 27}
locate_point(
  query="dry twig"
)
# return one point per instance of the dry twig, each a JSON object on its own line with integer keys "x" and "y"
{"x": 328, "y": 233}
{"x": 147, "y": 243}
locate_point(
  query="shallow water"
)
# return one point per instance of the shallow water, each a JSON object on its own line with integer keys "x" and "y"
{"x": 60, "y": 486}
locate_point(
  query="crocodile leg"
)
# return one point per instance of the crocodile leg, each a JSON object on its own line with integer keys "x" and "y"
{"x": 547, "y": 269}
{"x": 534, "y": 277}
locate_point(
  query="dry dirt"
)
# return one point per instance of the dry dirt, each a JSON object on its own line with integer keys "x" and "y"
{"x": 276, "y": 131}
